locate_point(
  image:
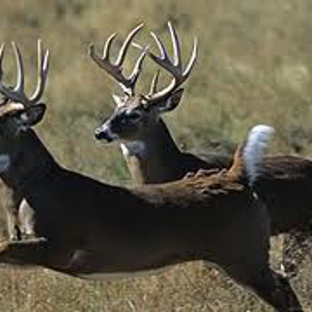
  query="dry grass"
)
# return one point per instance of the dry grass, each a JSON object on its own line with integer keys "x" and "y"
{"x": 254, "y": 66}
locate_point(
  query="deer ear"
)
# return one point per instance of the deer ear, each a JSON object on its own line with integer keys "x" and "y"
{"x": 35, "y": 114}
{"x": 171, "y": 102}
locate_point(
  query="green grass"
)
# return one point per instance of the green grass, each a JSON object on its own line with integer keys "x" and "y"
{"x": 254, "y": 66}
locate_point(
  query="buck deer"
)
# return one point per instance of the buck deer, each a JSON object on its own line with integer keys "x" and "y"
{"x": 153, "y": 157}
{"x": 85, "y": 228}
{"x": 12, "y": 199}
{"x": 149, "y": 150}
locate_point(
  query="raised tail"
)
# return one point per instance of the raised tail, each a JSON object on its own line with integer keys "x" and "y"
{"x": 254, "y": 150}
{"x": 248, "y": 157}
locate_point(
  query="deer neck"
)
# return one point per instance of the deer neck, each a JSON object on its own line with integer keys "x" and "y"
{"x": 153, "y": 158}
{"x": 29, "y": 159}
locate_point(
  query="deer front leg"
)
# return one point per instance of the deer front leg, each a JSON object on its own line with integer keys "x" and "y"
{"x": 11, "y": 202}
{"x": 26, "y": 219}
{"x": 12, "y": 224}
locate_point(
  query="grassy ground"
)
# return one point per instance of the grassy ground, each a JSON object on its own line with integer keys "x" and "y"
{"x": 254, "y": 66}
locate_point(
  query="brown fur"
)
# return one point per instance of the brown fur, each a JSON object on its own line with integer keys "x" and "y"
{"x": 284, "y": 184}
{"x": 86, "y": 227}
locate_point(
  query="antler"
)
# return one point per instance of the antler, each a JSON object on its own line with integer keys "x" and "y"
{"x": 17, "y": 93}
{"x": 115, "y": 69}
{"x": 173, "y": 67}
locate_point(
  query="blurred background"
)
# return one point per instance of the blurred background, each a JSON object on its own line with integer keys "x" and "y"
{"x": 254, "y": 66}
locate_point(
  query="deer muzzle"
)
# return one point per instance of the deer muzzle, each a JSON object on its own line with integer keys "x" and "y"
{"x": 104, "y": 133}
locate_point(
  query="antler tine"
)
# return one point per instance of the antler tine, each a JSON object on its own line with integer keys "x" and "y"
{"x": 104, "y": 63}
{"x": 107, "y": 46}
{"x": 192, "y": 59}
{"x": 138, "y": 67}
{"x": 173, "y": 67}
{"x": 153, "y": 87}
{"x": 162, "y": 60}
{"x": 161, "y": 47}
{"x": 20, "y": 83}
{"x": 14, "y": 94}
{"x": 115, "y": 68}
{"x": 17, "y": 94}
{"x": 2, "y": 48}
{"x": 175, "y": 45}
{"x": 43, "y": 67}
{"x": 125, "y": 46}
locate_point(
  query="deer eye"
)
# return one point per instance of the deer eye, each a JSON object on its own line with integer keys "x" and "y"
{"x": 133, "y": 116}
{"x": 23, "y": 117}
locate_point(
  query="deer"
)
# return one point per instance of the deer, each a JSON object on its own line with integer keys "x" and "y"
{"x": 140, "y": 127}
{"x": 12, "y": 200}
{"x": 152, "y": 156}
{"x": 89, "y": 229}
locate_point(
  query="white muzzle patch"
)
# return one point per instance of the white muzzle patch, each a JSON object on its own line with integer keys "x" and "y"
{"x": 4, "y": 162}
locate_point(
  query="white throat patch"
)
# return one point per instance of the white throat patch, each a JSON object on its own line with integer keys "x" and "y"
{"x": 136, "y": 148}
{"x": 4, "y": 162}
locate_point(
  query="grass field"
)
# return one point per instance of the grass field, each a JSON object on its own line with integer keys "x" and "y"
{"x": 254, "y": 66}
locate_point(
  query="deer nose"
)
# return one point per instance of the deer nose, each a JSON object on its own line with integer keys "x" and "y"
{"x": 103, "y": 133}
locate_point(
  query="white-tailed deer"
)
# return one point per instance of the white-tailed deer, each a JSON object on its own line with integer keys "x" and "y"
{"x": 89, "y": 229}
{"x": 152, "y": 156}
{"x": 149, "y": 150}
{"x": 12, "y": 199}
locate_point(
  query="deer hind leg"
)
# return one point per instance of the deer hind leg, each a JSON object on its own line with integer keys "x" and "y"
{"x": 271, "y": 287}
{"x": 250, "y": 268}
{"x": 13, "y": 228}
{"x": 276, "y": 290}
{"x": 296, "y": 246}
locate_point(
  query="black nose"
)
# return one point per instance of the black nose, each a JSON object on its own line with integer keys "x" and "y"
{"x": 99, "y": 133}
{"x": 102, "y": 134}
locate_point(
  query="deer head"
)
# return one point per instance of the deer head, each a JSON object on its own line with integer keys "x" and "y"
{"x": 19, "y": 112}
{"x": 135, "y": 114}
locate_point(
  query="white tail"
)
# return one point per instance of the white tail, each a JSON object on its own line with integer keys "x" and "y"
{"x": 254, "y": 150}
